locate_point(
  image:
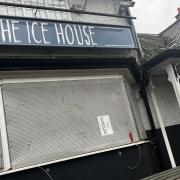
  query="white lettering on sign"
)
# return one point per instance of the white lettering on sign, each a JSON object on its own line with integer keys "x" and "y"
{"x": 29, "y": 32}
{"x": 82, "y": 35}
{"x": 79, "y": 38}
{"x": 105, "y": 125}
{"x": 69, "y": 34}
{"x": 86, "y": 35}
{"x": 44, "y": 31}
{"x": 91, "y": 32}
{"x": 5, "y": 30}
{"x": 34, "y": 26}
{"x": 14, "y": 29}
{"x": 59, "y": 33}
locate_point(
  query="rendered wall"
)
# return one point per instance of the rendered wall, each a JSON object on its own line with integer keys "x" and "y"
{"x": 166, "y": 100}
{"x": 100, "y": 6}
{"x": 170, "y": 112}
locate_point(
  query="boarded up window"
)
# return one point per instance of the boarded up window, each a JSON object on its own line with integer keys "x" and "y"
{"x": 58, "y": 119}
{"x": 1, "y": 154}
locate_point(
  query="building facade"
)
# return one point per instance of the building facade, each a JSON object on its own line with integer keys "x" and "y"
{"x": 72, "y": 99}
{"x": 162, "y": 65}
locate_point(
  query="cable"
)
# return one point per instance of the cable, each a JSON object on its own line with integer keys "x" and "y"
{"x": 35, "y": 13}
{"x": 139, "y": 160}
{"x": 50, "y": 177}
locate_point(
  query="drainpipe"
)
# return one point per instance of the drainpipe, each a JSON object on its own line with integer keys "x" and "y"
{"x": 144, "y": 81}
{"x": 148, "y": 110}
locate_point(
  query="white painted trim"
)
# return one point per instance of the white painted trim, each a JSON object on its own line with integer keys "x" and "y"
{"x": 161, "y": 123}
{"x": 173, "y": 80}
{"x": 73, "y": 157}
{"x": 4, "y": 137}
{"x": 53, "y": 79}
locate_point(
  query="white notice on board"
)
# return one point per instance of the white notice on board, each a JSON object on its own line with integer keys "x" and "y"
{"x": 105, "y": 125}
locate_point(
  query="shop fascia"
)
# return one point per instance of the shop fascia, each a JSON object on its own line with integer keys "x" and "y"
{"x": 64, "y": 33}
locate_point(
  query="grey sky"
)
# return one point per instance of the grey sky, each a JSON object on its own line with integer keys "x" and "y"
{"x": 153, "y": 16}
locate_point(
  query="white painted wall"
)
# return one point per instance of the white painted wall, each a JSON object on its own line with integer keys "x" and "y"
{"x": 166, "y": 100}
{"x": 100, "y": 6}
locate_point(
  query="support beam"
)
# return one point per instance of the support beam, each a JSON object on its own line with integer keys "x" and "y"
{"x": 161, "y": 123}
{"x": 4, "y": 137}
{"x": 174, "y": 80}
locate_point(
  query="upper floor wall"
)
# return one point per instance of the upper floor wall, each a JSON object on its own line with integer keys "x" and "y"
{"x": 35, "y": 13}
{"x": 99, "y": 6}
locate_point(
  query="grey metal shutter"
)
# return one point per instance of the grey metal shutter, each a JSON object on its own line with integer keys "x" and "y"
{"x": 1, "y": 153}
{"x": 58, "y": 119}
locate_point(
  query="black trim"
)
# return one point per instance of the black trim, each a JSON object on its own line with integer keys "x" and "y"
{"x": 146, "y": 102}
{"x": 130, "y": 163}
{"x": 170, "y": 53}
{"x": 70, "y": 47}
{"x": 41, "y": 46}
{"x": 52, "y": 63}
{"x": 173, "y": 133}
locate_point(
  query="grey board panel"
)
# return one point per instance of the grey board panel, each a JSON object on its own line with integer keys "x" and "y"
{"x": 47, "y": 121}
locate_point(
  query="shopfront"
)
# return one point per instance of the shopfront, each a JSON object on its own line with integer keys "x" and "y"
{"x": 69, "y": 100}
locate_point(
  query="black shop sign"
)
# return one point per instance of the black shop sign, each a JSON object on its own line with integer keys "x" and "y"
{"x": 41, "y": 33}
